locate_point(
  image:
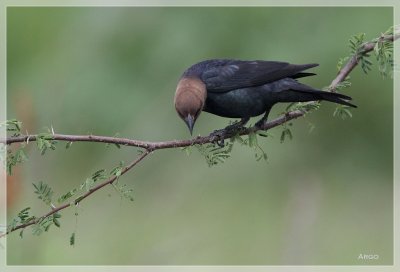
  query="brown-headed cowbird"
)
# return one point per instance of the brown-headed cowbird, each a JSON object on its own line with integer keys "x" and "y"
{"x": 244, "y": 89}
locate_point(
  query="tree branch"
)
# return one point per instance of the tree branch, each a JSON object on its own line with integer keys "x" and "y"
{"x": 81, "y": 198}
{"x": 152, "y": 146}
{"x": 352, "y": 63}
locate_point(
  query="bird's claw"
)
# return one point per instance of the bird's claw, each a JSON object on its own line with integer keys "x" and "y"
{"x": 218, "y": 137}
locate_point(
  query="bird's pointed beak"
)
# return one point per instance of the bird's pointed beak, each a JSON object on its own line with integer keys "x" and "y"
{"x": 189, "y": 120}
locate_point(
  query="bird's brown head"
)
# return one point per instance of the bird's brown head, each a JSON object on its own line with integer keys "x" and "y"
{"x": 190, "y": 97}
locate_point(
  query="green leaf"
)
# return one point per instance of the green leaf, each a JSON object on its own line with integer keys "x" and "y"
{"x": 37, "y": 229}
{"x": 12, "y": 225}
{"x": 341, "y": 62}
{"x": 263, "y": 133}
{"x": 23, "y": 215}
{"x": 356, "y": 42}
{"x": 56, "y": 222}
{"x": 87, "y": 185}
{"x": 215, "y": 154}
{"x": 90, "y": 182}
{"x": 383, "y": 51}
{"x": 261, "y": 156}
{"x": 356, "y": 46}
{"x": 14, "y": 126}
{"x": 15, "y": 158}
{"x": 304, "y": 106}
{"x": 342, "y": 85}
{"x": 45, "y": 141}
{"x": 44, "y": 192}
{"x": 67, "y": 195}
{"x": 99, "y": 175}
{"x": 117, "y": 171}
{"x": 72, "y": 239}
{"x": 342, "y": 112}
{"x": 286, "y": 133}
{"x": 123, "y": 191}
{"x": 252, "y": 139}
{"x": 237, "y": 138}
{"x": 42, "y": 225}
{"x": 47, "y": 227}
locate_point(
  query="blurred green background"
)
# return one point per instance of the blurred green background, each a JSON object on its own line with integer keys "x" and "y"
{"x": 324, "y": 197}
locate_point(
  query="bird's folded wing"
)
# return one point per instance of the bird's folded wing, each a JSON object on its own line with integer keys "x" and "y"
{"x": 237, "y": 74}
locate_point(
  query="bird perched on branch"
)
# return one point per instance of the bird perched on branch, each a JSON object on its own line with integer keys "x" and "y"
{"x": 244, "y": 89}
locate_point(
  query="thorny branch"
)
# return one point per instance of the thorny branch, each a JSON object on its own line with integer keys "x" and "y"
{"x": 153, "y": 146}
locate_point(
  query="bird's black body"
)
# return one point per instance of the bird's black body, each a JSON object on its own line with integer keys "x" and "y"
{"x": 243, "y": 89}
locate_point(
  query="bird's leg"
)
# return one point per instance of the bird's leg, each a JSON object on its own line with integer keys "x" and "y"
{"x": 264, "y": 119}
{"x": 220, "y": 134}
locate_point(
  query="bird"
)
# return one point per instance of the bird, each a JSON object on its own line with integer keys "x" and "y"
{"x": 243, "y": 89}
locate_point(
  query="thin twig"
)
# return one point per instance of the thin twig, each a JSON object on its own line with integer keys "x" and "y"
{"x": 151, "y": 145}
{"x": 81, "y": 198}
{"x": 353, "y": 61}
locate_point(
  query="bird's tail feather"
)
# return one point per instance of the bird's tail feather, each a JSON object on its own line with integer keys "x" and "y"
{"x": 302, "y": 74}
{"x": 323, "y": 95}
{"x": 336, "y": 98}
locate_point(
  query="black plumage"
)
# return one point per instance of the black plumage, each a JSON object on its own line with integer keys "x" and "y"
{"x": 244, "y": 89}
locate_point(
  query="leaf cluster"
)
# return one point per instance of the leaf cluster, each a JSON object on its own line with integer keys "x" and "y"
{"x": 303, "y": 106}
{"x": 286, "y": 133}
{"x": 14, "y": 158}
{"x": 13, "y": 126}
{"x": 343, "y": 112}
{"x": 44, "y": 192}
{"x": 22, "y": 217}
{"x": 215, "y": 154}
{"x": 72, "y": 239}
{"x": 383, "y": 50}
{"x": 44, "y": 224}
{"x": 357, "y": 49}
{"x": 89, "y": 183}
{"x": 122, "y": 189}
{"x": 44, "y": 142}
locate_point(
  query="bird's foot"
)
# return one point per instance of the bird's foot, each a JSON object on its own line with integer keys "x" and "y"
{"x": 218, "y": 136}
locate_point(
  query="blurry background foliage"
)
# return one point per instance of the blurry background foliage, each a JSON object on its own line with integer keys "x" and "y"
{"x": 322, "y": 198}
